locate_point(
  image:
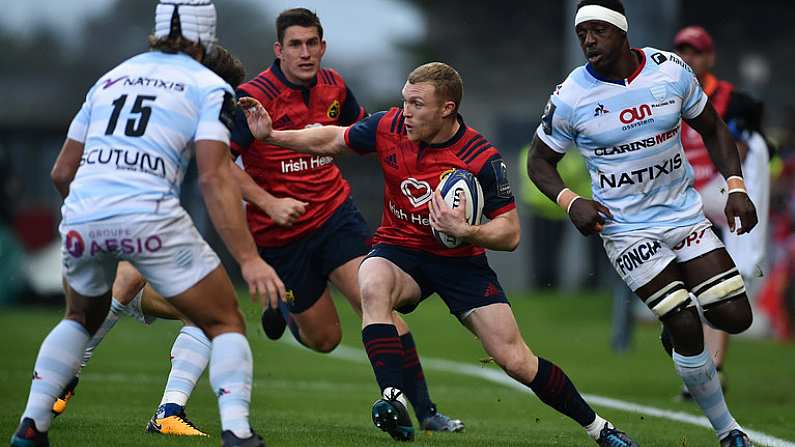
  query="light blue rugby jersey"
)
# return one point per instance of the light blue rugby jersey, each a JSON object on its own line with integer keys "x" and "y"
{"x": 137, "y": 123}
{"x": 629, "y": 135}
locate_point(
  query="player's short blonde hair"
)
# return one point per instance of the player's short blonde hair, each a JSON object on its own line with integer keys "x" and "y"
{"x": 445, "y": 79}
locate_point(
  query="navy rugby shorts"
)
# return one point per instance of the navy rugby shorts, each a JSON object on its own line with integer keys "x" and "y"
{"x": 304, "y": 265}
{"x": 464, "y": 283}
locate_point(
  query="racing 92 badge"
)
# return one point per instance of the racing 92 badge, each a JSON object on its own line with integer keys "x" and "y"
{"x": 546, "y": 118}
{"x": 74, "y": 244}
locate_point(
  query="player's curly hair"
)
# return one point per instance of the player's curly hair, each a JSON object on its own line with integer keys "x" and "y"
{"x": 448, "y": 83}
{"x": 297, "y": 17}
{"x": 615, "y": 5}
{"x": 225, "y": 65}
{"x": 173, "y": 44}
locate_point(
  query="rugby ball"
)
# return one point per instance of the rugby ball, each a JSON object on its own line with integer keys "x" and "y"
{"x": 460, "y": 181}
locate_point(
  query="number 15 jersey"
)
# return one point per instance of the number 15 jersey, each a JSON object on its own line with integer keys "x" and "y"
{"x": 136, "y": 125}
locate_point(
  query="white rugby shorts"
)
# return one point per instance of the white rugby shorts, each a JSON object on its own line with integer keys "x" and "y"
{"x": 640, "y": 255}
{"x": 169, "y": 252}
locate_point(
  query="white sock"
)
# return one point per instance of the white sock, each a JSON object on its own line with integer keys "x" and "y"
{"x": 189, "y": 357}
{"x": 115, "y": 312}
{"x": 56, "y": 365}
{"x": 595, "y": 427}
{"x": 699, "y": 375}
{"x": 230, "y": 376}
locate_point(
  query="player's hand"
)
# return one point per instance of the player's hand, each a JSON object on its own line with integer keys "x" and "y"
{"x": 589, "y": 216}
{"x": 264, "y": 284}
{"x": 740, "y": 205}
{"x": 284, "y": 211}
{"x": 259, "y": 121}
{"x": 448, "y": 220}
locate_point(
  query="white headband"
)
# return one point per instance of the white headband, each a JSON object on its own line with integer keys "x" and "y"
{"x": 196, "y": 20}
{"x": 596, "y": 12}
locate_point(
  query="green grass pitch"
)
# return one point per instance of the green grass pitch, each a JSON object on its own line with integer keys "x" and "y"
{"x": 301, "y": 398}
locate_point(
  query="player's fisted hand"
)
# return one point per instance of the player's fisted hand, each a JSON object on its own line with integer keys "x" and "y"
{"x": 739, "y": 205}
{"x": 589, "y": 216}
{"x": 285, "y": 211}
{"x": 445, "y": 219}
{"x": 264, "y": 284}
{"x": 258, "y": 119}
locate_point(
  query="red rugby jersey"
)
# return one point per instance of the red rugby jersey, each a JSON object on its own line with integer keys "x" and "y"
{"x": 412, "y": 171}
{"x": 719, "y": 93}
{"x": 282, "y": 172}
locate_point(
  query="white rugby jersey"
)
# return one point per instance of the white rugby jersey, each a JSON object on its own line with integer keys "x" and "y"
{"x": 629, "y": 135}
{"x": 136, "y": 125}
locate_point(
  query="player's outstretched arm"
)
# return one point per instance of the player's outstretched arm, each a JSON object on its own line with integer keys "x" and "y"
{"x": 587, "y": 215}
{"x": 724, "y": 154}
{"x": 321, "y": 140}
{"x": 223, "y": 199}
{"x": 283, "y": 211}
{"x": 65, "y": 167}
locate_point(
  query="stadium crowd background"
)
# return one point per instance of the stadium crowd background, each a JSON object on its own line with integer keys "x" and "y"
{"x": 509, "y": 55}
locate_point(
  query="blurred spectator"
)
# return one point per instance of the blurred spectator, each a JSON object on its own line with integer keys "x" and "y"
{"x": 11, "y": 255}
{"x": 777, "y": 297}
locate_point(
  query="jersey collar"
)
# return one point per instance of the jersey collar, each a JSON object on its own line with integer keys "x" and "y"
{"x": 276, "y": 68}
{"x": 462, "y": 128}
{"x": 626, "y": 81}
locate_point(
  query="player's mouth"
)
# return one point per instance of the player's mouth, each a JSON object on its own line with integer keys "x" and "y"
{"x": 308, "y": 66}
{"x": 594, "y": 57}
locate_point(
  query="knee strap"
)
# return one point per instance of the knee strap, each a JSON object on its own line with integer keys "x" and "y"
{"x": 671, "y": 298}
{"x": 720, "y": 287}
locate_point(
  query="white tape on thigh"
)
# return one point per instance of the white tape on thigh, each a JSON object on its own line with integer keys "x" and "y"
{"x": 670, "y": 302}
{"x": 664, "y": 290}
{"x": 712, "y": 281}
{"x": 668, "y": 298}
{"x": 723, "y": 290}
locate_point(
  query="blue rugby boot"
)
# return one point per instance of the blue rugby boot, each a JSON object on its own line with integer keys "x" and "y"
{"x": 736, "y": 438}
{"x": 613, "y": 437}
{"x": 228, "y": 439}
{"x": 390, "y": 415}
{"x": 28, "y": 435}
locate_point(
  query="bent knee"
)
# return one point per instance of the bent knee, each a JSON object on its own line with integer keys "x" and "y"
{"x": 517, "y": 361}
{"x": 326, "y": 342}
{"x": 222, "y": 323}
{"x": 733, "y": 316}
{"x": 128, "y": 283}
{"x": 375, "y": 294}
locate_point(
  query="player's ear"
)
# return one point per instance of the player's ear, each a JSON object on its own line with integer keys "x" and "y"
{"x": 277, "y": 49}
{"x": 322, "y": 48}
{"x": 448, "y": 109}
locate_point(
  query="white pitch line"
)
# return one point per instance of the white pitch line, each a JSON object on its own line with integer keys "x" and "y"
{"x": 499, "y": 377}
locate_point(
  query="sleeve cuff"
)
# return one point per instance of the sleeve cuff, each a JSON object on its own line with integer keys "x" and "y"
{"x": 548, "y": 141}
{"x": 77, "y": 131}
{"x": 501, "y": 210}
{"x": 698, "y": 107}
{"x": 348, "y": 143}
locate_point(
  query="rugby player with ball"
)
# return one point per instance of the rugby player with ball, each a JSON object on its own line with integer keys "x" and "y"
{"x": 417, "y": 145}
